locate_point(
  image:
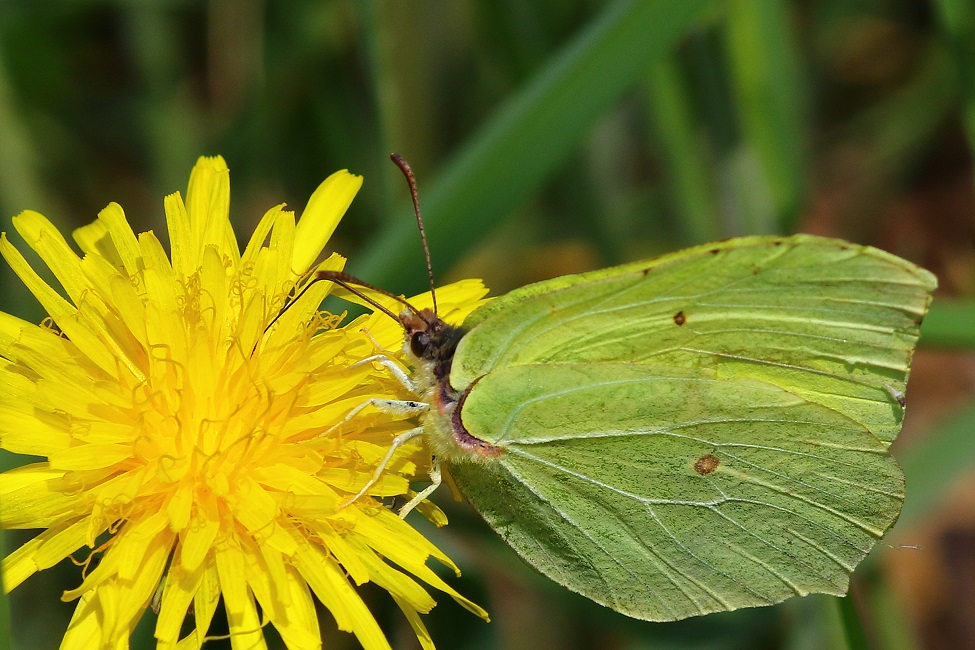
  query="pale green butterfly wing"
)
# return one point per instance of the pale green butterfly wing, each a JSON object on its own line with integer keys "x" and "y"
{"x": 669, "y": 493}
{"x": 832, "y": 321}
{"x": 613, "y": 393}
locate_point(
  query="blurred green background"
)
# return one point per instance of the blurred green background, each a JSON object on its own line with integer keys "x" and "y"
{"x": 547, "y": 138}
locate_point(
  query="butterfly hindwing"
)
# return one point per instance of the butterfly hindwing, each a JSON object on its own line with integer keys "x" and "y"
{"x": 666, "y": 493}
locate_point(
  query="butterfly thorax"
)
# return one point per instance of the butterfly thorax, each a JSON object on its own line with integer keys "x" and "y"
{"x": 433, "y": 343}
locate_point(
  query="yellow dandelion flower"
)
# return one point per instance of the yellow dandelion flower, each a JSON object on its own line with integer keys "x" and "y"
{"x": 196, "y": 442}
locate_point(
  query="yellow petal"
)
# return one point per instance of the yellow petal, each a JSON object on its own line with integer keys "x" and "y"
{"x": 245, "y": 626}
{"x": 37, "y": 502}
{"x": 197, "y": 543}
{"x": 413, "y": 617}
{"x": 41, "y": 235}
{"x": 181, "y": 240}
{"x": 206, "y": 599}
{"x": 24, "y": 432}
{"x": 268, "y": 577}
{"x": 206, "y": 220}
{"x": 85, "y": 628}
{"x": 59, "y": 543}
{"x": 93, "y": 239}
{"x": 322, "y": 214}
{"x": 137, "y": 591}
{"x": 326, "y": 579}
{"x": 101, "y": 574}
{"x": 63, "y": 313}
{"x": 302, "y": 616}
{"x": 259, "y": 237}
{"x": 122, "y": 246}
{"x": 178, "y": 594}
{"x": 20, "y": 565}
{"x": 90, "y": 456}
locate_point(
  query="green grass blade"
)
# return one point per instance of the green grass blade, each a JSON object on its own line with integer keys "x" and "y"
{"x": 891, "y": 624}
{"x": 895, "y": 133}
{"x": 937, "y": 461}
{"x": 958, "y": 22}
{"x": 811, "y": 623}
{"x": 20, "y": 183}
{"x": 950, "y": 324}
{"x": 769, "y": 91}
{"x": 686, "y": 163}
{"x": 21, "y": 186}
{"x": 905, "y": 122}
{"x": 853, "y": 632}
{"x": 169, "y": 120}
{"x": 528, "y": 138}
{"x": 402, "y": 86}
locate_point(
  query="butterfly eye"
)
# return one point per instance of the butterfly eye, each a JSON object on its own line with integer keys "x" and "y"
{"x": 420, "y": 344}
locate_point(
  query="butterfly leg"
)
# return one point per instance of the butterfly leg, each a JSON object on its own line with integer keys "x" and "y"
{"x": 393, "y": 406}
{"x": 398, "y": 442}
{"x": 392, "y": 367}
{"x": 383, "y": 358}
{"x": 436, "y": 479}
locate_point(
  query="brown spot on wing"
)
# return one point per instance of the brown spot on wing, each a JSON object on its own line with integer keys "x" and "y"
{"x": 706, "y": 464}
{"x": 680, "y": 318}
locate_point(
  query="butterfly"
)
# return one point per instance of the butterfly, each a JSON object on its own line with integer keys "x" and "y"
{"x": 694, "y": 433}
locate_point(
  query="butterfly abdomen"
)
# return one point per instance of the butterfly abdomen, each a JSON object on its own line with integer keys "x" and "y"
{"x": 447, "y": 435}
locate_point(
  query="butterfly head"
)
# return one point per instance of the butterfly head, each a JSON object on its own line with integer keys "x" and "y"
{"x": 430, "y": 339}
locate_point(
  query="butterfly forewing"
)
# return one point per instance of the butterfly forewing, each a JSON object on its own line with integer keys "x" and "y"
{"x": 827, "y": 320}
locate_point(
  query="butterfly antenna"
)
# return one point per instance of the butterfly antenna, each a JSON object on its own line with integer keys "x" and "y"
{"x": 350, "y": 282}
{"x": 411, "y": 180}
